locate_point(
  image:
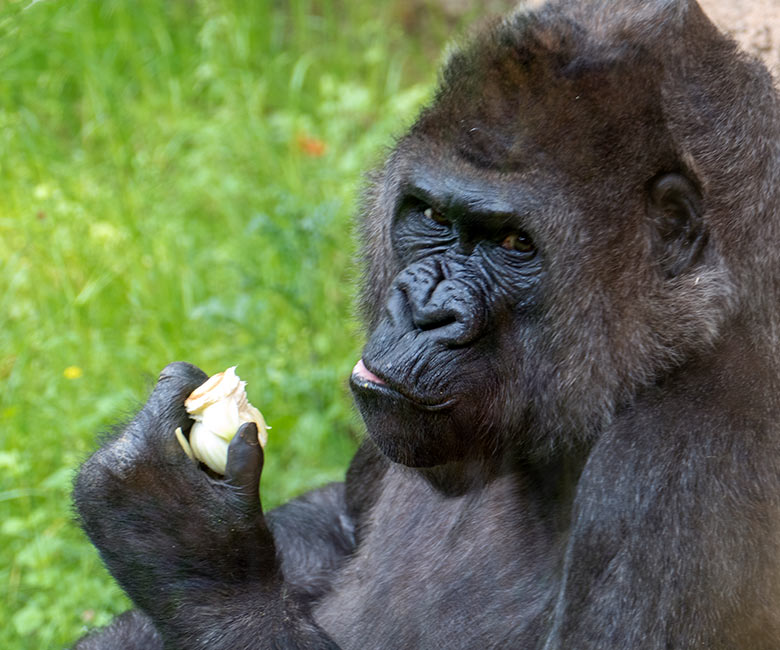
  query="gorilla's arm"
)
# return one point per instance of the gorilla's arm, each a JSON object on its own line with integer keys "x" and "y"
{"x": 316, "y": 532}
{"x": 196, "y": 554}
{"x": 313, "y": 534}
{"x": 674, "y": 535}
{"x": 129, "y": 631}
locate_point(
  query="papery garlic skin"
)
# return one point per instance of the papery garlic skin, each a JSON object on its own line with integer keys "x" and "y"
{"x": 219, "y": 407}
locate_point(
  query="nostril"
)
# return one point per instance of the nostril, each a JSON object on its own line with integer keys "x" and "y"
{"x": 430, "y": 321}
{"x": 437, "y": 308}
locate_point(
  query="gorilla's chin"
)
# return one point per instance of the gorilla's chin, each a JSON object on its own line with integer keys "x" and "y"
{"x": 412, "y": 434}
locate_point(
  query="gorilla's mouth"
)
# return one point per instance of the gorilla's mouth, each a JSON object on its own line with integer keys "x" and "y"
{"x": 364, "y": 379}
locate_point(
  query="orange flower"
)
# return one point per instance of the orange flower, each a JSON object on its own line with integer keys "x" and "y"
{"x": 310, "y": 146}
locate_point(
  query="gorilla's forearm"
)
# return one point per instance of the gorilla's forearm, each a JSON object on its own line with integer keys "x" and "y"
{"x": 251, "y": 620}
{"x": 129, "y": 631}
{"x": 313, "y": 536}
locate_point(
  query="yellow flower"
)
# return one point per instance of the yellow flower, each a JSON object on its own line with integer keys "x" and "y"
{"x": 72, "y": 372}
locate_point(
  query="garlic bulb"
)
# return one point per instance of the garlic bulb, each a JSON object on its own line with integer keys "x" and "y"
{"x": 219, "y": 407}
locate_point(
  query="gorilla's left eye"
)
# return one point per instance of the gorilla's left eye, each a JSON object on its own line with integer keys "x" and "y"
{"x": 436, "y": 216}
{"x": 518, "y": 241}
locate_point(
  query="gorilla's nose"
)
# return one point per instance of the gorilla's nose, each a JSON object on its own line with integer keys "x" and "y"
{"x": 448, "y": 309}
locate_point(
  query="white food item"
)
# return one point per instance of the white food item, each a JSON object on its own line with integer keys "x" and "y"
{"x": 219, "y": 407}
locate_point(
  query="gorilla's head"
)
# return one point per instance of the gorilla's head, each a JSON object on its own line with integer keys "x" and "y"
{"x": 571, "y": 219}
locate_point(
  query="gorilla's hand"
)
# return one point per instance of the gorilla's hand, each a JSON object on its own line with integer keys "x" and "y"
{"x": 192, "y": 551}
{"x": 165, "y": 528}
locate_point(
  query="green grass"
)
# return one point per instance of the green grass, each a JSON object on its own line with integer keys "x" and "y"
{"x": 163, "y": 196}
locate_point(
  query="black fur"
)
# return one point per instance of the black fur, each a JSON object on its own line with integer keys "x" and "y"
{"x": 571, "y": 384}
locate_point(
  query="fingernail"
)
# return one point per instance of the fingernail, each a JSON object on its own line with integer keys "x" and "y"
{"x": 248, "y": 432}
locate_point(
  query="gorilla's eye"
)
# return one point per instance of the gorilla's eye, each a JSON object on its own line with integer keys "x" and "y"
{"x": 518, "y": 241}
{"x": 438, "y": 217}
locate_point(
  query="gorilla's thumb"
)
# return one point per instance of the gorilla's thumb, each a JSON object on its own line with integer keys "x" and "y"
{"x": 244, "y": 466}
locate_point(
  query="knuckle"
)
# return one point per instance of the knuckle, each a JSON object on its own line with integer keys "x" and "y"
{"x": 183, "y": 373}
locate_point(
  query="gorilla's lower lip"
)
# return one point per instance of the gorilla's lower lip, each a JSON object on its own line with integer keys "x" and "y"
{"x": 364, "y": 374}
{"x": 364, "y": 379}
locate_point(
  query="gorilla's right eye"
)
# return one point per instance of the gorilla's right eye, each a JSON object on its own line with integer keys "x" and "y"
{"x": 436, "y": 216}
{"x": 518, "y": 241}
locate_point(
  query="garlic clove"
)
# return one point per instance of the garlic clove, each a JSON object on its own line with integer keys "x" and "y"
{"x": 185, "y": 445}
{"x": 209, "y": 448}
{"x": 220, "y": 418}
{"x": 219, "y": 407}
{"x": 248, "y": 413}
{"x": 214, "y": 389}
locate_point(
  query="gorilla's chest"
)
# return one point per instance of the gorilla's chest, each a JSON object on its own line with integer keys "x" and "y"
{"x": 473, "y": 571}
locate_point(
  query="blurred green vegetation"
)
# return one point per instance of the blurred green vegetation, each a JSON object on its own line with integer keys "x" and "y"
{"x": 177, "y": 181}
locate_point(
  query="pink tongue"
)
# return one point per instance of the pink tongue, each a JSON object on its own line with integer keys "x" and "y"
{"x": 364, "y": 373}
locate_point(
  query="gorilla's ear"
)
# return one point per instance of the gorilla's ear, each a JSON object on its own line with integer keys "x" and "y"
{"x": 674, "y": 208}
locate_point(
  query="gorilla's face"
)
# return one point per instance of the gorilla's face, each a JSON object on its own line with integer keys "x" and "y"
{"x": 531, "y": 260}
{"x": 469, "y": 279}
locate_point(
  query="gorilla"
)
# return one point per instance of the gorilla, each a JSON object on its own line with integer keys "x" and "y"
{"x": 571, "y": 383}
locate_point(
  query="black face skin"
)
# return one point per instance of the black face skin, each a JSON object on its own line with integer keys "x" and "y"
{"x": 571, "y": 382}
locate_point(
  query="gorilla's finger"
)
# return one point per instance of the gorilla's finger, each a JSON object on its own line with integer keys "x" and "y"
{"x": 183, "y": 372}
{"x": 166, "y": 402}
{"x": 245, "y": 464}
